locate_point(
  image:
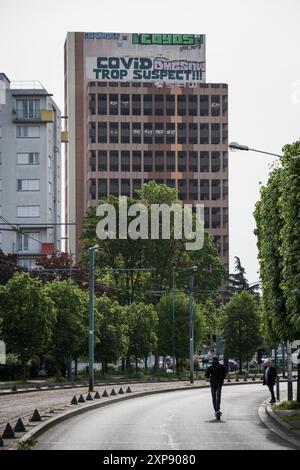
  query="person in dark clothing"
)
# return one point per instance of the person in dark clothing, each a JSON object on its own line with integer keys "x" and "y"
{"x": 269, "y": 379}
{"x": 216, "y": 373}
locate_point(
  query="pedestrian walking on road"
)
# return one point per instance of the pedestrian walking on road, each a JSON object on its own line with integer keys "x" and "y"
{"x": 269, "y": 379}
{"x": 216, "y": 373}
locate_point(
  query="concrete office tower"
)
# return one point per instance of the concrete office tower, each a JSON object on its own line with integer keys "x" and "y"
{"x": 30, "y": 162}
{"x": 139, "y": 110}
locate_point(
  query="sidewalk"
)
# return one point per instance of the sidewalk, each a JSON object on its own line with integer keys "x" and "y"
{"x": 276, "y": 422}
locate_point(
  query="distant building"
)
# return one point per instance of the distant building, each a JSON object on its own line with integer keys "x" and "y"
{"x": 30, "y": 166}
{"x": 139, "y": 110}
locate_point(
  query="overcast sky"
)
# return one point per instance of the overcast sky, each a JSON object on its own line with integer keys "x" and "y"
{"x": 253, "y": 45}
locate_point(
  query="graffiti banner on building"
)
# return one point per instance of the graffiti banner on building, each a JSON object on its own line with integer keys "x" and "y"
{"x": 158, "y": 58}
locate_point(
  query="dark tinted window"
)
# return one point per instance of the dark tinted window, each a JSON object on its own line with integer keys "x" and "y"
{"x": 113, "y": 104}
{"x": 102, "y": 104}
{"x": 102, "y": 160}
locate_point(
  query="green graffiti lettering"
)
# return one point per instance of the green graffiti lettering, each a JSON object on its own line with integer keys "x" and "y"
{"x": 146, "y": 39}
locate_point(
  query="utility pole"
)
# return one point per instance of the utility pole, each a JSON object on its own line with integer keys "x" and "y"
{"x": 289, "y": 370}
{"x": 91, "y": 315}
{"x": 191, "y": 324}
{"x": 277, "y": 378}
{"x": 173, "y": 317}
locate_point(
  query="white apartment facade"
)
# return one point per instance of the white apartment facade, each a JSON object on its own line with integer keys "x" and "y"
{"x": 30, "y": 172}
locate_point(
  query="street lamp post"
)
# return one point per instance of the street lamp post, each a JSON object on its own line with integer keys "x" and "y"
{"x": 173, "y": 317}
{"x": 289, "y": 369}
{"x": 191, "y": 317}
{"x": 92, "y": 250}
{"x": 234, "y": 146}
{"x": 191, "y": 326}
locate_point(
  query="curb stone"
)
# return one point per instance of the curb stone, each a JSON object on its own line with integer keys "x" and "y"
{"x": 276, "y": 425}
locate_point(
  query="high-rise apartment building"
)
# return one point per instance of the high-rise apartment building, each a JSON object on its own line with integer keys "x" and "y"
{"x": 139, "y": 109}
{"x": 30, "y": 166}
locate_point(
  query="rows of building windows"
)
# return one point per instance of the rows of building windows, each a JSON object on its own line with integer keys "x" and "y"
{"x": 24, "y": 184}
{"x": 222, "y": 250}
{"x": 191, "y": 189}
{"x": 134, "y": 84}
{"x": 28, "y": 158}
{"x": 28, "y": 132}
{"x": 148, "y": 161}
{"x": 157, "y": 104}
{"x": 32, "y": 211}
{"x": 158, "y": 133}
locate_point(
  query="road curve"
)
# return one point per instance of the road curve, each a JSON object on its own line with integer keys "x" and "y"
{"x": 170, "y": 421}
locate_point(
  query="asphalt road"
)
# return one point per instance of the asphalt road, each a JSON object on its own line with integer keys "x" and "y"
{"x": 170, "y": 421}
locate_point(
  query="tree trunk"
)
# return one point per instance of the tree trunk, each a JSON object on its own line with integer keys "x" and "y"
{"x": 24, "y": 371}
{"x": 69, "y": 369}
{"x": 283, "y": 362}
{"x": 226, "y": 362}
{"x": 177, "y": 365}
{"x": 240, "y": 365}
{"x": 163, "y": 364}
{"x": 123, "y": 364}
{"x": 146, "y": 363}
{"x": 156, "y": 361}
{"x": 127, "y": 362}
{"x": 76, "y": 369}
{"x": 136, "y": 364}
{"x": 211, "y": 342}
{"x": 103, "y": 368}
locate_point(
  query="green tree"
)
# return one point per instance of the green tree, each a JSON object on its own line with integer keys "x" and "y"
{"x": 241, "y": 327}
{"x": 142, "y": 320}
{"x": 116, "y": 254}
{"x": 113, "y": 341}
{"x": 160, "y": 254}
{"x": 70, "y": 328}
{"x": 277, "y": 219}
{"x": 166, "y": 341}
{"x": 8, "y": 266}
{"x": 28, "y": 316}
{"x": 289, "y": 207}
{"x": 238, "y": 282}
{"x": 269, "y": 224}
{"x": 212, "y": 317}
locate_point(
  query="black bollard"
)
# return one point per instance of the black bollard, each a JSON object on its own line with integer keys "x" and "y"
{"x": 36, "y": 416}
{"x": 19, "y": 426}
{"x": 8, "y": 432}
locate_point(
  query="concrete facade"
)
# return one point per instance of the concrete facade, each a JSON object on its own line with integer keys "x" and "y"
{"x": 30, "y": 150}
{"x": 125, "y": 133}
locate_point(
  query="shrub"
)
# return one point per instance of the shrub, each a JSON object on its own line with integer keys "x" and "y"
{"x": 288, "y": 405}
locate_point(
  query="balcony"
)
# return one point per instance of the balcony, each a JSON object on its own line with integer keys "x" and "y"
{"x": 64, "y": 137}
{"x": 43, "y": 116}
